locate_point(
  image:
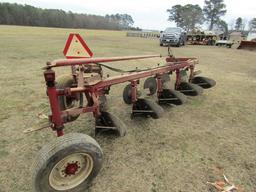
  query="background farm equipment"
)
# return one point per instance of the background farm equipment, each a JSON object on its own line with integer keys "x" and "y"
{"x": 225, "y": 43}
{"x": 250, "y": 45}
{"x": 73, "y": 160}
{"x": 199, "y": 37}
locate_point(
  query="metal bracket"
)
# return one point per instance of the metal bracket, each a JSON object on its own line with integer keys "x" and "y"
{"x": 33, "y": 129}
{"x": 30, "y": 130}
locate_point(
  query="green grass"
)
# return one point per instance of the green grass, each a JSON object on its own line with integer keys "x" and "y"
{"x": 3, "y": 152}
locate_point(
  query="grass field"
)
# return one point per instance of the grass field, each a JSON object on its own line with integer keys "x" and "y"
{"x": 194, "y": 143}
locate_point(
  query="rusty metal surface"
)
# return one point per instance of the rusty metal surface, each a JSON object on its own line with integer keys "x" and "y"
{"x": 138, "y": 75}
{"x": 70, "y": 62}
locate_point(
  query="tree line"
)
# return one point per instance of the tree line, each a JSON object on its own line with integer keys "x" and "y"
{"x": 190, "y": 16}
{"x": 15, "y": 14}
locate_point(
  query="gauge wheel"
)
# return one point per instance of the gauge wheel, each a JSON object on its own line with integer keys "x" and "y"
{"x": 151, "y": 84}
{"x": 127, "y": 94}
{"x": 68, "y": 102}
{"x": 68, "y": 164}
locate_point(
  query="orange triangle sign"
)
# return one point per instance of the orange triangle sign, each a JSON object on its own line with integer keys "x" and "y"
{"x": 76, "y": 47}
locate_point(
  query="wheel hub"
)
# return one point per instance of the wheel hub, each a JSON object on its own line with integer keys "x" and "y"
{"x": 71, "y": 171}
{"x": 72, "y": 168}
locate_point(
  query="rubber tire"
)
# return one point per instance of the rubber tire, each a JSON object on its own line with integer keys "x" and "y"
{"x": 151, "y": 84}
{"x": 158, "y": 110}
{"x": 127, "y": 94}
{"x": 53, "y": 152}
{"x": 63, "y": 82}
{"x": 161, "y": 44}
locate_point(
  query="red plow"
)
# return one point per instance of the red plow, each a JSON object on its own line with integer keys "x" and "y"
{"x": 74, "y": 159}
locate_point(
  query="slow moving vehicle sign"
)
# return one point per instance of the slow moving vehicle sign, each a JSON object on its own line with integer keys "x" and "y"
{"x": 76, "y": 48}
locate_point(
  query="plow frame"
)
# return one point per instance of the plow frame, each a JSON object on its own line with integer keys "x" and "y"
{"x": 93, "y": 92}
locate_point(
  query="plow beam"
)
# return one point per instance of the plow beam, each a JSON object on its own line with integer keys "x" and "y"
{"x": 132, "y": 76}
{"x": 73, "y": 62}
{"x": 138, "y": 75}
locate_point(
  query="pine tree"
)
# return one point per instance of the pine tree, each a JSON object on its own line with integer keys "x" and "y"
{"x": 239, "y": 23}
{"x": 213, "y": 10}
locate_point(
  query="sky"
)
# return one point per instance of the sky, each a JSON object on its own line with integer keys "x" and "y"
{"x": 146, "y": 14}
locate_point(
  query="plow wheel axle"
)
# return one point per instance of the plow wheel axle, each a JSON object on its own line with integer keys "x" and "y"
{"x": 151, "y": 84}
{"x": 127, "y": 94}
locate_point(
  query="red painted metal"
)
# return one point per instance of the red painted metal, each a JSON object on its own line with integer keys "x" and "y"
{"x": 68, "y": 43}
{"x": 70, "y": 62}
{"x": 177, "y": 83}
{"x": 95, "y": 99}
{"x": 131, "y": 76}
{"x": 138, "y": 75}
{"x": 60, "y": 132}
{"x": 159, "y": 85}
{"x": 94, "y": 91}
{"x": 71, "y": 168}
{"x": 179, "y": 59}
{"x": 56, "y": 112}
{"x": 191, "y": 76}
{"x": 134, "y": 90}
{"x": 52, "y": 93}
